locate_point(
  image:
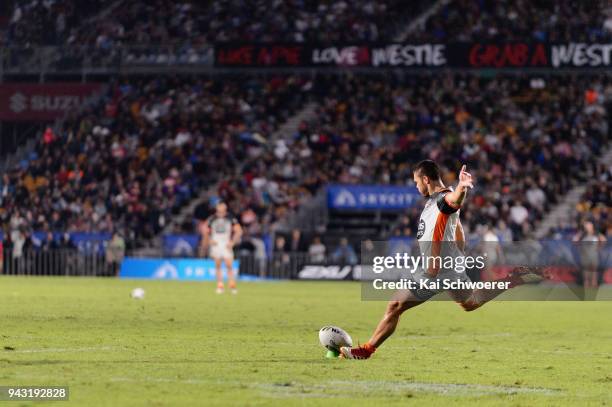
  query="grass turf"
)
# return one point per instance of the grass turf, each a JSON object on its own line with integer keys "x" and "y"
{"x": 184, "y": 345}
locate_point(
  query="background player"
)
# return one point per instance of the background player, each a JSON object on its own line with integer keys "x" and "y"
{"x": 439, "y": 224}
{"x": 221, "y": 232}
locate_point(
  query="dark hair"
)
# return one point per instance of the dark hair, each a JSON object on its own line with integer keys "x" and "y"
{"x": 428, "y": 168}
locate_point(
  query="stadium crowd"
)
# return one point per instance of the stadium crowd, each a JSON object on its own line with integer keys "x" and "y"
{"x": 519, "y": 20}
{"x": 192, "y": 24}
{"x": 525, "y": 145}
{"x": 51, "y": 22}
{"x": 595, "y": 206}
{"x": 133, "y": 160}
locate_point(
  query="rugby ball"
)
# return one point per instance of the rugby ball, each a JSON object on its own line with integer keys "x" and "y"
{"x": 137, "y": 293}
{"x": 333, "y": 338}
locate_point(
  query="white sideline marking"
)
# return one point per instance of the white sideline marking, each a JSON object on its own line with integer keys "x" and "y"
{"x": 360, "y": 388}
{"x": 498, "y": 335}
{"x": 382, "y": 388}
{"x": 171, "y": 380}
{"x": 58, "y": 350}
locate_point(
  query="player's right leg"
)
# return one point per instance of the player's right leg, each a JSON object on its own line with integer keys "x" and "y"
{"x": 230, "y": 274}
{"x": 402, "y": 300}
{"x": 219, "y": 274}
{"x": 474, "y": 299}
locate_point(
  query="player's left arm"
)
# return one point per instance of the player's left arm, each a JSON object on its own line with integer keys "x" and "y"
{"x": 205, "y": 242}
{"x": 456, "y": 198}
{"x": 236, "y": 233}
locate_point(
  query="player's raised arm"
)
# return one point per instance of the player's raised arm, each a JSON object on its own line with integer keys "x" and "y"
{"x": 456, "y": 198}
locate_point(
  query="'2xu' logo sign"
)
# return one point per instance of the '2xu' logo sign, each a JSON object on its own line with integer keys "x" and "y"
{"x": 315, "y": 272}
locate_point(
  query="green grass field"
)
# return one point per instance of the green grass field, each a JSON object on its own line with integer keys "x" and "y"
{"x": 183, "y": 345}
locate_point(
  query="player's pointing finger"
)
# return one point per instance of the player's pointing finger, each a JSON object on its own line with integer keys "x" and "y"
{"x": 463, "y": 168}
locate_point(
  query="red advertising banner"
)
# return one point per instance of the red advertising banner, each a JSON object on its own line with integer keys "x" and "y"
{"x": 43, "y": 102}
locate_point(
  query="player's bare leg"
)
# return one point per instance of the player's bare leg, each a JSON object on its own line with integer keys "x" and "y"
{"x": 402, "y": 300}
{"x": 474, "y": 299}
{"x": 230, "y": 275}
{"x": 219, "y": 274}
{"x": 405, "y": 299}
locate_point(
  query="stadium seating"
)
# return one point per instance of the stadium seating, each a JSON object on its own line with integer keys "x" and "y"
{"x": 594, "y": 206}
{"x": 152, "y": 144}
{"x": 521, "y": 146}
{"x": 189, "y": 24}
{"x": 171, "y": 138}
{"x": 165, "y": 134}
{"x": 519, "y": 20}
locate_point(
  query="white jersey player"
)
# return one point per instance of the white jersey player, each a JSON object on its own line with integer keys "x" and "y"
{"x": 439, "y": 234}
{"x": 221, "y": 233}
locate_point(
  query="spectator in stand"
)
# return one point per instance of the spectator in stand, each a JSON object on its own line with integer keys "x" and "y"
{"x": 48, "y": 255}
{"x": 519, "y": 215}
{"x": 536, "y": 197}
{"x": 589, "y": 242}
{"x": 115, "y": 252}
{"x": 344, "y": 253}
{"x": 280, "y": 257}
{"x": 503, "y": 232}
{"x": 316, "y": 251}
{"x": 49, "y": 244}
{"x": 368, "y": 252}
{"x": 296, "y": 241}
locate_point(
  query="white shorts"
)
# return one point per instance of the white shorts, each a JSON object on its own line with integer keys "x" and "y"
{"x": 221, "y": 251}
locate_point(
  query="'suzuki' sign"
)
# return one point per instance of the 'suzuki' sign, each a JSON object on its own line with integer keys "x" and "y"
{"x": 42, "y": 102}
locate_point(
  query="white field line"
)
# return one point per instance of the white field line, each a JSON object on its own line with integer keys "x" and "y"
{"x": 382, "y": 388}
{"x": 359, "y": 388}
{"x": 65, "y": 350}
{"x": 572, "y": 352}
{"x": 451, "y": 335}
{"x": 172, "y": 380}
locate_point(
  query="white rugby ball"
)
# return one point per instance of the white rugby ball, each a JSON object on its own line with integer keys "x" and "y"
{"x": 138, "y": 293}
{"x": 333, "y": 338}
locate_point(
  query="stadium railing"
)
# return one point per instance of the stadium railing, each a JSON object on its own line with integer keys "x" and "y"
{"x": 94, "y": 261}
{"x": 57, "y": 262}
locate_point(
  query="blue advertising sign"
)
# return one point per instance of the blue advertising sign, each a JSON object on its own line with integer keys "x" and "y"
{"x": 171, "y": 269}
{"x": 388, "y": 197}
{"x": 181, "y": 245}
{"x": 400, "y": 245}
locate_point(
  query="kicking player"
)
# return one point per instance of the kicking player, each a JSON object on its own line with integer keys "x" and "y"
{"x": 221, "y": 232}
{"x": 439, "y": 229}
